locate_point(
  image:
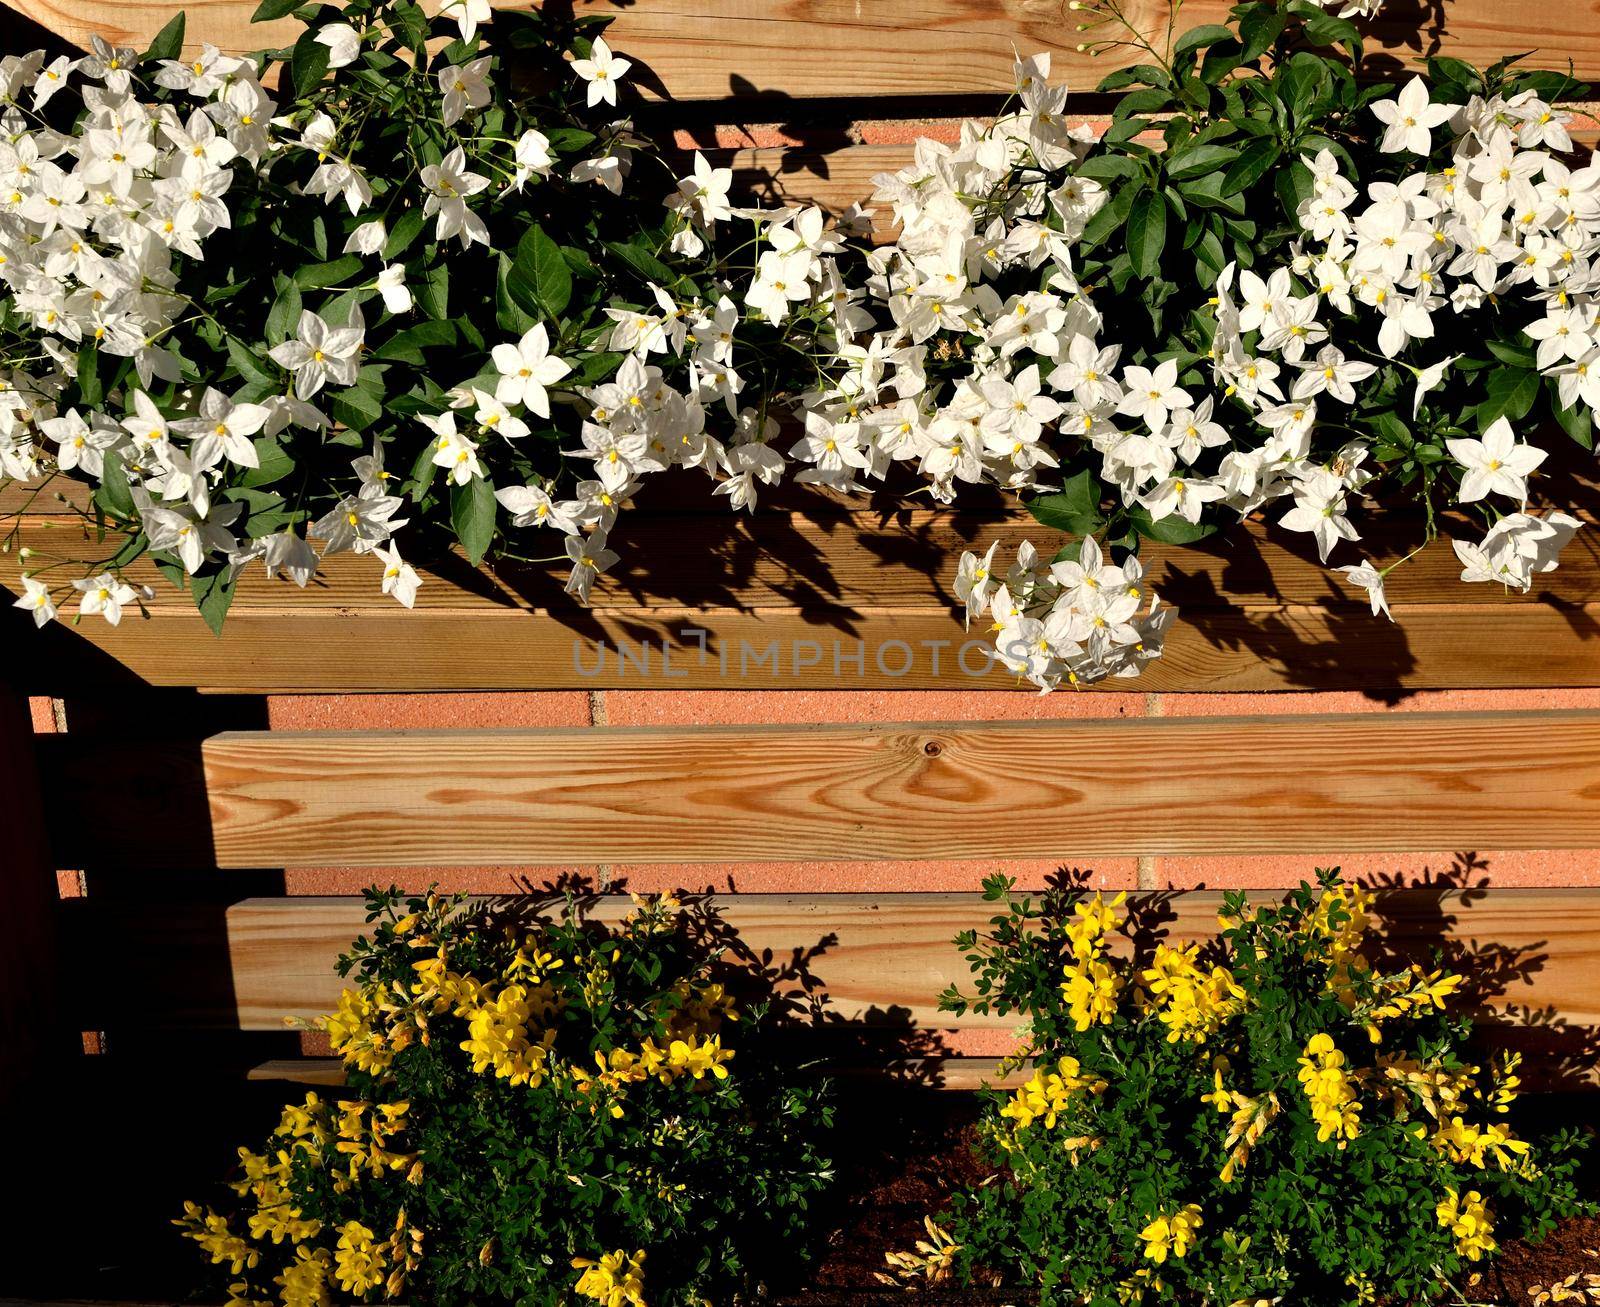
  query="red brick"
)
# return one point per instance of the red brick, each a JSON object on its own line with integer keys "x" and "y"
{"x": 1557, "y": 868}
{"x": 859, "y": 877}
{"x": 1309, "y": 702}
{"x": 43, "y": 713}
{"x": 348, "y": 712}
{"x": 818, "y": 707}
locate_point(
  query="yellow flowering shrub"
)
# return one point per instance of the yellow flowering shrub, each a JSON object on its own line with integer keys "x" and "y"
{"x": 1266, "y": 1116}
{"x": 533, "y": 1108}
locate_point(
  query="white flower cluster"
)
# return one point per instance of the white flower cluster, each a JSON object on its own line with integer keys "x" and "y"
{"x": 1506, "y": 222}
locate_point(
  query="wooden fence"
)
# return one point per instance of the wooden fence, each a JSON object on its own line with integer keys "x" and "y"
{"x": 182, "y": 955}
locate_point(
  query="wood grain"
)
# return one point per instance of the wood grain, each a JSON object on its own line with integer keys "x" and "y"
{"x": 1534, "y": 954}
{"x": 816, "y": 597}
{"x": 769, "y": 53}
{"x": 1078, "y": 789}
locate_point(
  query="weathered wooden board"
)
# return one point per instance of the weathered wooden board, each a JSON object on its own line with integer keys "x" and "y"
{"x": 834, "y": 793}
{"x": 1534, "y": 956}
{"x": 769, "y": 54}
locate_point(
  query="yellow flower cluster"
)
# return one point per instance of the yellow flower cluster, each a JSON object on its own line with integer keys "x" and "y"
{"x": 217, "y": 1240}
{"x": 1047, "y": 1094}
{"x": 1354, "y": 904}
{"x": 353, "y": 1033}
{"x": 305, "y": 1282}
{"x": 364, "y": 1133}
{"x": 1462, "y": 1142}
{"x": 1330, "y": 1091}
{"x": 1470, "y": 1221}
{"x": 1090, "y": 985}
{"x": 504, "y": 1035}
{"x": 691, "y": 1057}
{"x": 1191, "y": 1002}
{"x": 357, "y": 1261}
{"x": 1404, "y": 993}
{"x": 1250, "y": 1119}
{"x": 617, "y": 1278}
{"x": 1171, "y": 1234}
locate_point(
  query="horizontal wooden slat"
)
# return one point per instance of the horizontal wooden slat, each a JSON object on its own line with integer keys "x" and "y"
{"x": 750, "y": 49}
{"x": 954, "y": 1073}
{"x": 917, "y": 791}
{"x": 820, "y": 597}
{"x": 1533, "y": 955}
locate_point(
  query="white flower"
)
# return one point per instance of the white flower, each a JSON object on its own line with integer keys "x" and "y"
{"x": 1152, "y": 394}
{"x": 36, "y": 599}
{"x": 319, "y": 354}
{"x": 392, "y": 286}
{"x": 526, "y": 368}
{"x": 1367, "y": 575}
{"x": 451, "y": 450}
{"x": 602, "y": 70}
{"x": 400, "y": 579}
{"x": 105, "y": 595}
{"x": 1410, "y": 119}
{"x": 449, "y": 186}
{"x": 467, "y": 15}
{"x": 1496, "y": 464}
{"x": 343, "y": 42}
{"x": 463, "y": 86}
{"x": 532, "y": 506}
{"x": 1320, "y": 509}
{"x": 589, "y": 557}
{"x": 368, "y": 238}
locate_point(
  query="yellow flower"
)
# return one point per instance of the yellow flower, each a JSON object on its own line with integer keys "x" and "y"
{"x": 689, "y": 1058}
{"x": 1171, "y": 1234}
{"x": 217, "y": 1240}
{"x": 1091, "y": 989}
{"x": 1470, "y": 1221}
{"x": 614, "y": 1280}
{"x": 1192, "y": 1003}
{"x": 305, "y": 1281}
{"x": 1047, "y": 1094}
{"x": 351, "y": 1031}
{"x": 1463, "y": 1142}
{"x": 1330, "y": 1091}
{"x": 499, "y": 1035}
{"x": 358, "y": 1262}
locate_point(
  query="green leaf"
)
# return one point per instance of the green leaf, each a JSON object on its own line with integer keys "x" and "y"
{"x": 1259, "y": 29}
{"x": 267, "y": 10}
{"x": 114, "y": 495}
{"x": 89, "y": 387}
{"x": 275, "y": 464}
{"x": 283, "y": 318}
{"x": 250, "y": 367}
{"x": 644, "y": 263}
{"x": 407, "y": 346}
{"x": 1170, "y": 530}
{"x": 1200, "y": 159}
{"x": 1251, "y": 165}
{"x": 1074, "y": 509}
{"x": 540, "y": 280}
{"x": 355, "y": 408}
{"x": 1515, "y": 353}
{"x": 317, "y": 276}
{"x": 169, "y": 40}
{"x": 213, "y": 595}
{"x": 472, "y": 508}
{"x": 309, "y": 63}
{"x": 508, "y": 314}
{"x": 407, "y": 227}
{"x": 1105, "y": 167}
{"x": 1577, "y": 421}
{"x": 1196, "y": 37}
{"x": 1511, "y": 392}
{"x": 1147, "y": 232}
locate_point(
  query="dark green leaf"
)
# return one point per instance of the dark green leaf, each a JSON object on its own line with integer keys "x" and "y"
{"x": 472, "y": 509}
{"x": 1200, "y": 159}
{"x": 268, "y": 10}
{"x": 1170, "y": 530}
{"x": 1074, "y": 509}
{"x": 540, "y": 280}
{"x": 1147, "y": 232}
{"x": 169, "y": 40}
{"x": 1251, "y": 165}
{"x": 309, "y": 63}
{"x": 213, "y": 595}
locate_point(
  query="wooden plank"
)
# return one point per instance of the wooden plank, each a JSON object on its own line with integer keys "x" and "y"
{"x": 30, "y": 1033}
{"x": 1287, "y": 647}
{"x": 1534, "y": 955}
{"x": 749, "y": 49}
{"x": 818, "y": 597}
{"x": 1088, "y": 788}
{"x": 954, "y": 1073}
{"x": 827, "y": 555}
